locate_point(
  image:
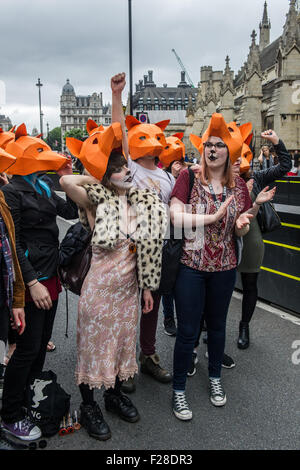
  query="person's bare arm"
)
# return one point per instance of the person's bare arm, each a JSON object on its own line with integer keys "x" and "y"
{"x": 180, "y": 218}
{"x": 117, "y": 84}
{"x": 73, "y": 187}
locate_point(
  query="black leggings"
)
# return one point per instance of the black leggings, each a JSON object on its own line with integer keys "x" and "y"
{"x": 87, "y": 394}
{"x": 250, "y": 293}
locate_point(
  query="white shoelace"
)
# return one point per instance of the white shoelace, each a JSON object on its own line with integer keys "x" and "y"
{"x": 23, "y": 425}
{"x": 180, "y": 401}
{"x": 216, "y": 387}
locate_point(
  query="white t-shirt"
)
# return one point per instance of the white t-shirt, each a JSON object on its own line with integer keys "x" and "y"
{"x": 158, "y": 180}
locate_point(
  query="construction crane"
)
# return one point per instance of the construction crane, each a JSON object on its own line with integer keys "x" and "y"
{"x": 183, "y": 68}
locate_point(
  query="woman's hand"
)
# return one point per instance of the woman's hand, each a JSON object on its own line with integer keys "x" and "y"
{"x": 67, "y": 169}
{"x": 118, "y": 83}
{"x": 176, "y": 169}
{"x": 3, "y": 179}
{"x": 249, "y": 185}
{"x": 40, "y": 295}
{"x": 265, "y": 195}
{"x": 196, "y": 168}
{"x": 271, "y": 136}
{"x": 221, "y": 212}
{"x": 18, "y": 320}
{"x": 243, "y": 221}
{"x": 148, "y": 300}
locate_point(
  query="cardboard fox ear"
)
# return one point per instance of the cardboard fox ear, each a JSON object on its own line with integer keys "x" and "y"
{"x": 74, "y": 145}
{"x": 1, "y": 130}
{"x": 245, "y": 130}
{"x": 162, "y": 124}
{"x": 179, "y": 135}
{"x": 91, "y": 125}
{"x": 12, "y": 129}
{"x": 21, "y": 131}
{"x": 131, "y": 121}
{"x": 249, "y": 138}
{"x": 38, "y": 136}
{"x": 196, "y": 140}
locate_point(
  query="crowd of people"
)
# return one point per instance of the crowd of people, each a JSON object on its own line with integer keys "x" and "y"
{"x": 134, "y": 183}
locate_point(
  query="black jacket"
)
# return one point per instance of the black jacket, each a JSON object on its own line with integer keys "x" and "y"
{"x": 267, "y": 177}
{"x": 34, "y": 216}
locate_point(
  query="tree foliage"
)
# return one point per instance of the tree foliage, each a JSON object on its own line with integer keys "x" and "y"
{"x": 54, "y": 139}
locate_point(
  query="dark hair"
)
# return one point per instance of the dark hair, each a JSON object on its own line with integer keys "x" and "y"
{"x": 169, "y": 169}
{"x": 116, "y": 160}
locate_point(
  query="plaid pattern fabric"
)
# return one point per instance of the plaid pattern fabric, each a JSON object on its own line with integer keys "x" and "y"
{"x": 7, "y": 266}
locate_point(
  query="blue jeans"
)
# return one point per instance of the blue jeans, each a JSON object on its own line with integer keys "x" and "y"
{"x": 197, "y": 292}
{"x": 168, "y": 305}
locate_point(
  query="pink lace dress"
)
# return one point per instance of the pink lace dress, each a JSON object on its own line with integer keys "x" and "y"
{"x": 107, "y": 318}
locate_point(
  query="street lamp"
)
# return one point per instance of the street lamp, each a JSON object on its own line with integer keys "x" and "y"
{"x": 39, "y": 85}
{"x": 130, "y": 57}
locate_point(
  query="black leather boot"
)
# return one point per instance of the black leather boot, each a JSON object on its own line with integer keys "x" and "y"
{"x": 92, "y": 420}
{"x": 244, "y": 340}
{"x": 122, "y": 406}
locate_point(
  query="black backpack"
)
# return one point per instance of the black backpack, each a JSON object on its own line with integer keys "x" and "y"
{"x": 47, "y": 403}
{"x": 172, "y": 252}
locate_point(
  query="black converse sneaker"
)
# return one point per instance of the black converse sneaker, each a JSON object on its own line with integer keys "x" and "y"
{"x": 192, "y": 368}
{"x": 181, "y": 408}
{"x": 169, "y": 326}
{"x": 217, "y": 394}
{"x": 227, "y": 361}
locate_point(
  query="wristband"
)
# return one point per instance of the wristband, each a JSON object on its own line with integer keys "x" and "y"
{"x": 33, "y": 284}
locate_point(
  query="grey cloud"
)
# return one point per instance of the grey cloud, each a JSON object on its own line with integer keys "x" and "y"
{"x": 87, "y": 41}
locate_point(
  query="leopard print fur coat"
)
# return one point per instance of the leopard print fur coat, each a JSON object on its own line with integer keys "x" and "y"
{"x": 151, "y": 219}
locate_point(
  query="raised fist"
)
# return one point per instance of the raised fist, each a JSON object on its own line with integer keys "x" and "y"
{"x": 118, "y": 82}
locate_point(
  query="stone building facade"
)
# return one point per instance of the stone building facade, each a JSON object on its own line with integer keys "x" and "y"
{"x": 160, "y": 103}
{"x": 5, "y": 122}
{"x": 75, "y": 110}
{"x": 265, "y": 91}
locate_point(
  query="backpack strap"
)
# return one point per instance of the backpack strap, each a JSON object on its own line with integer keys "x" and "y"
{"x": 67, "y": 313}
{"x": 191, "y": 180}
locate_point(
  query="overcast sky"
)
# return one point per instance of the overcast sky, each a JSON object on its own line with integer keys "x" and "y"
{"x": 87, "y": 42}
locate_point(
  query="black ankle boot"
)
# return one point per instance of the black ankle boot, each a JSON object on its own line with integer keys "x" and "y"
{"x": 92, "y": 420}
{"x": 122, "y": 406}
{"x": 244, "y": 340}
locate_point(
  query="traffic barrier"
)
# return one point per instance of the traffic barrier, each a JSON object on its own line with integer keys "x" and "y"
{"x": 279, "y": 279}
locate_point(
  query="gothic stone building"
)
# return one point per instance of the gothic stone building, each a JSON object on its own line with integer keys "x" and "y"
{"x": 265, "y": 91}
{"x": 5, "y": 122}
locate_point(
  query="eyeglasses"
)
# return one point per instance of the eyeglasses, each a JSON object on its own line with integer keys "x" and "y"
{"x": 218, "y": 145}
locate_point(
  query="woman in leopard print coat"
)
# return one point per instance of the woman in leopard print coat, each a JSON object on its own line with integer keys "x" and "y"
{"x": 128, "y": 226}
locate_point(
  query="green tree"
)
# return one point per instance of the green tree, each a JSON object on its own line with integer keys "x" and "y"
{"x": 77, "y": 133}
{"x": 54, "y": 139}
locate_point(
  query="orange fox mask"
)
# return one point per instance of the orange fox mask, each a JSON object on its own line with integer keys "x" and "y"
{"x": 32, "y": 154}
{"x": 246, "y": 133}
{"x": 218, "y": 128}
{"x": 6, "y": 160}
{"x": 92, "y": 127}
{"x": 174, "y": 150}
{"x": 94, "y": 152}
{"x": 6, "y": 137}
{"x": 145, "y": 139}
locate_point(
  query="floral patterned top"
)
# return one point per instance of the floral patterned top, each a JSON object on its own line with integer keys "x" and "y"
{"x": 212, "y": 248}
